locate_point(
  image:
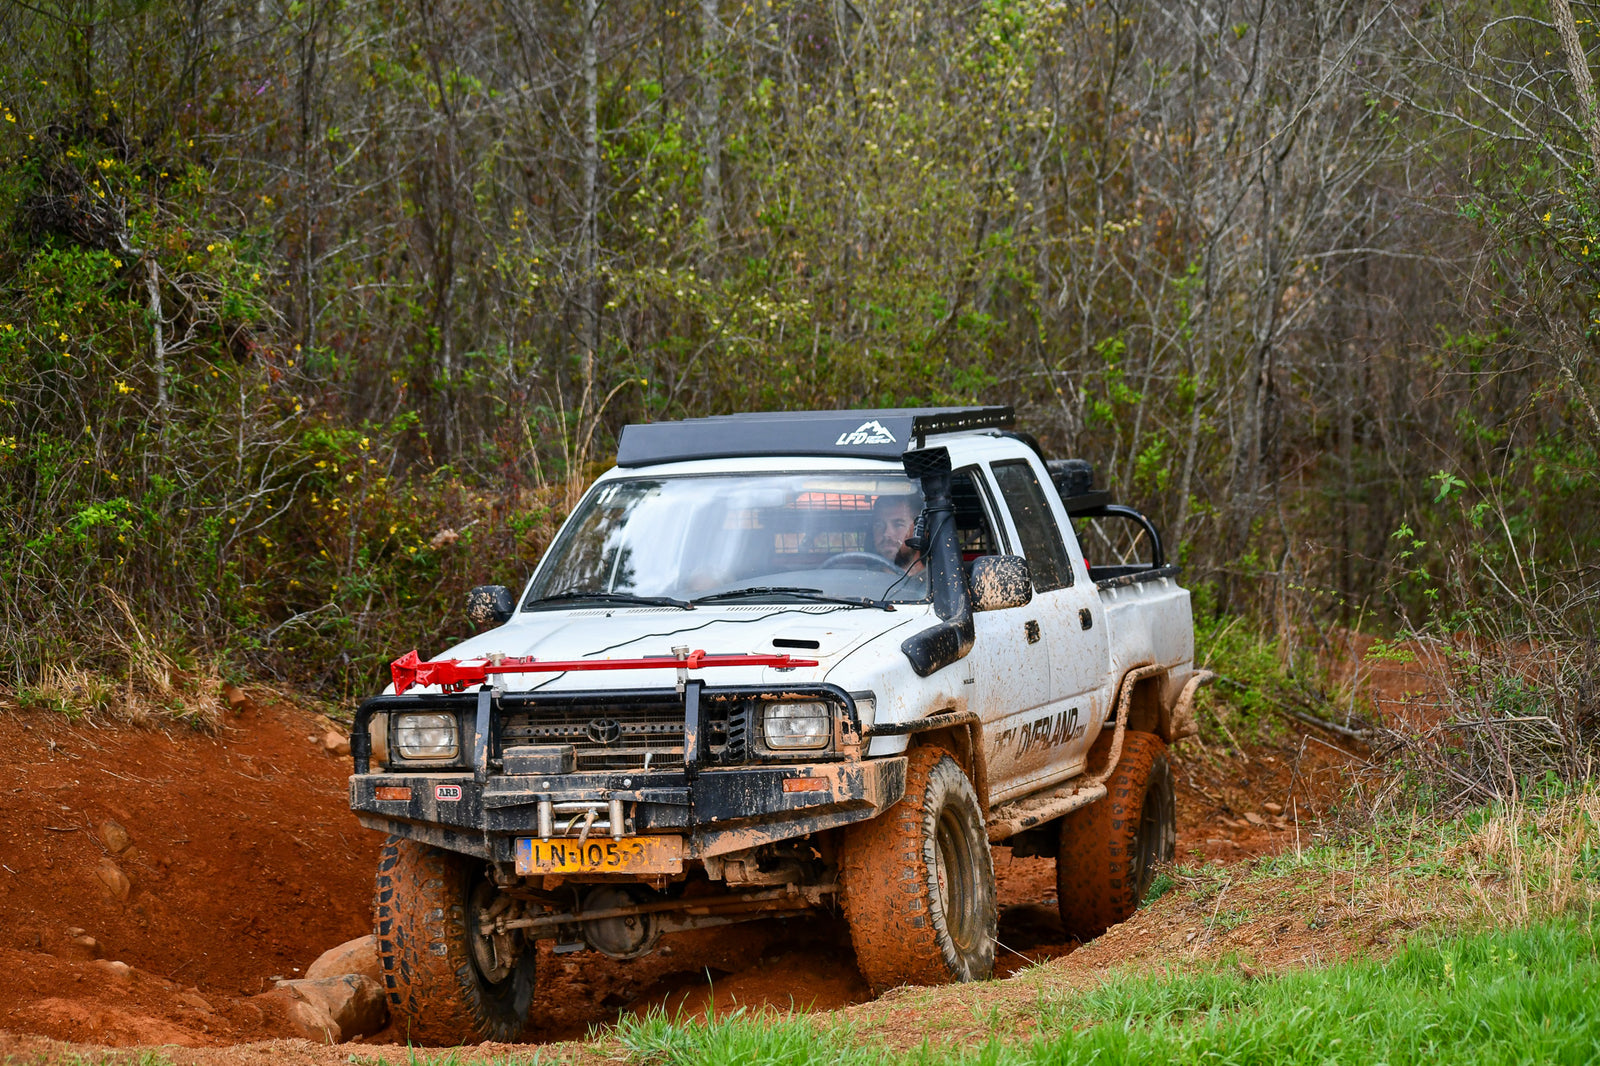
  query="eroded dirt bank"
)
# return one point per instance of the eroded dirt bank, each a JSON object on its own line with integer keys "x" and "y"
{"x": 153, "y": 884}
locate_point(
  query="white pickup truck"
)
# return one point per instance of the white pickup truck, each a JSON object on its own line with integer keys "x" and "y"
{"x": 778, "y": 664}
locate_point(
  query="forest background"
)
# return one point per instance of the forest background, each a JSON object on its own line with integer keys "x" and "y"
{"x": 314, "y": 313}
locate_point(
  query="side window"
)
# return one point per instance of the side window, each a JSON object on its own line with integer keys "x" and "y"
{"x": 973, "y": 530}
{"x": 1036, "y": 525}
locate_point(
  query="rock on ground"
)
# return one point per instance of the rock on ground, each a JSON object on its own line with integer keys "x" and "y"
{"x": 113, "y": 881}
{"x": 358, "y": 956}
{"x": 334, "y": 1009}
{"x": 114, "y": 836}
{"x": 305, "y": 1018}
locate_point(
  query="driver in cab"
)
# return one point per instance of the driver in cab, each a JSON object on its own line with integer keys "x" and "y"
{"x": 894, "y": 519}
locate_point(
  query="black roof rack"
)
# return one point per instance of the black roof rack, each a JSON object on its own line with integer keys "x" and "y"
{"x": 865, "y": 434}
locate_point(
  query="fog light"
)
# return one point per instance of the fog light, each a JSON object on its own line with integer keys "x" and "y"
{"x": 797, "y": 726}
{"x": 425, "y": 736}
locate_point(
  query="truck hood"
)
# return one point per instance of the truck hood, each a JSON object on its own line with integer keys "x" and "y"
{"x": 823, "y": 632}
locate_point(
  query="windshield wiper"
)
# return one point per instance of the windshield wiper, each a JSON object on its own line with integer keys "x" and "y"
{"x": 615, "y": 597}
{"x": 799, "y": 592}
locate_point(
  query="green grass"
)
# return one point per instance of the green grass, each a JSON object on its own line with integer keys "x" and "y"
{"x": 1510, "y": 996}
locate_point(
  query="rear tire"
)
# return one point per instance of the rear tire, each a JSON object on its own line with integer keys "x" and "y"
{"x": 919, "y": 893}
{"x": 1110, "y": 849}
{"x": 441, "y": 978}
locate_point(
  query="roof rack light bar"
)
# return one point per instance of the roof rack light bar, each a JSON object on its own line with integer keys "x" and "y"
{"x": 961, "y": 420}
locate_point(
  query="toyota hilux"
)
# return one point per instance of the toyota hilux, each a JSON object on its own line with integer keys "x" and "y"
{"x": 781, "y": 664}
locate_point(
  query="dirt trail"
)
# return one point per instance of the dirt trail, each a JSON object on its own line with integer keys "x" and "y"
{"x": 242, "y": 863}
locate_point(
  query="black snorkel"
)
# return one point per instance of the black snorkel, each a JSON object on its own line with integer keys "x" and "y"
{"x": 950, "y": 640}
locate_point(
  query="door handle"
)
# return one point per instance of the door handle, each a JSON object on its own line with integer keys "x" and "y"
{"x": 1031, "y": 628}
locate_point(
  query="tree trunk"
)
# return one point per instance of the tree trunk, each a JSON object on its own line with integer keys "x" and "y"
{"x": 589, "y": 255}
{"x": 710, "y": 121}
{"x": 310, "y": 184}
{"x": 158, "y": 340}
{"x": 1582, "y": 80}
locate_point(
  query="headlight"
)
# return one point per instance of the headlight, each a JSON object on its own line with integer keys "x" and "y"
{"x": 797, "y": 726}
{"x": 425, "y": 736}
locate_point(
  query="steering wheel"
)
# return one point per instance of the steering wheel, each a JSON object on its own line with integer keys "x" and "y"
{"x": 860, "y": 561}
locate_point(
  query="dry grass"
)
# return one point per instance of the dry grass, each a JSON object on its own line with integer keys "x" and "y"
{"x": 1530, "y": 862}
{"x": 1508, "y": 863}
{"x": 154, "y": 689}
{"x": 154, "y": 693}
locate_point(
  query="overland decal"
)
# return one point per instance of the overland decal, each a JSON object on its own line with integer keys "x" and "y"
{"x": 867, "y": 433}
{"x": 1046, "y": 732}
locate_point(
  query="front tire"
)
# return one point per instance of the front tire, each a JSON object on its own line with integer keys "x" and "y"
{"x": 444, "y": 983}
{"x": 1110, "y": 849}
{"x": 919, "y": 892}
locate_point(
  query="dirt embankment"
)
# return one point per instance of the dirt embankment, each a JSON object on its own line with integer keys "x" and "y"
{"x": 205, "y": 866}
{"x": 153, "y": 884}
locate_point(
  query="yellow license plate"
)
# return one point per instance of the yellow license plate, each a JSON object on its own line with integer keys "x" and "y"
{"x": 601, "y": 855}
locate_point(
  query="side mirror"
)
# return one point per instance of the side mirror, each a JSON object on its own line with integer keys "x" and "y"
{"x": 1000, "y": 581}
{"x": 489, "y": 605}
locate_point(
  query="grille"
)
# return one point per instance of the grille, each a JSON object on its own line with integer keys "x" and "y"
{"x": 629, "y": 737}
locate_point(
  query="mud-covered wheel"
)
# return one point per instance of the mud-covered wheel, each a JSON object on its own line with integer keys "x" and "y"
{"x": 1110, "y": 849}
{"x": 445, "y": 983}
{"x": 918, "y": 882}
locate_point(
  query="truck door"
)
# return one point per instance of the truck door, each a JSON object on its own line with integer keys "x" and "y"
{"x": 1008, "y": 669}
{"x": 1050, "y": 745}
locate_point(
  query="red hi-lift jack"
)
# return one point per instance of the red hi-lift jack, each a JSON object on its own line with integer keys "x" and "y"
{"x": 453, "y": 675}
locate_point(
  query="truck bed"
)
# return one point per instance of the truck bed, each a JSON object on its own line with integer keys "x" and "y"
{"x": 1148, "y": 617}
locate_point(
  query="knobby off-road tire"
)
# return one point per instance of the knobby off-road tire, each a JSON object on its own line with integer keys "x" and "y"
{"x": 1111, "y": 848}
{"x": 918, "y": 882}
{"x": 438, "y": 988}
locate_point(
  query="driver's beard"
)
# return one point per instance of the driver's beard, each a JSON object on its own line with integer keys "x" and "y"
{"x": 905, "y": 557}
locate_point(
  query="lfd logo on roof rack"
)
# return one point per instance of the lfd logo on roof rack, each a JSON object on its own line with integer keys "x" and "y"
{"x": 867, "y": 433}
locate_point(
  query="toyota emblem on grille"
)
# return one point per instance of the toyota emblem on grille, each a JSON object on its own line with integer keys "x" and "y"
{"x": 604, "y": 730}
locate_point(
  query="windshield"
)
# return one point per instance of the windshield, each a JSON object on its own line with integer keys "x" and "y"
{"x": 791, "y": 535}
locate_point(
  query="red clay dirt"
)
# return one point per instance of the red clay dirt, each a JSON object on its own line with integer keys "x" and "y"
{"x": 243, "y": 863}
{"x": 238, "y": 856}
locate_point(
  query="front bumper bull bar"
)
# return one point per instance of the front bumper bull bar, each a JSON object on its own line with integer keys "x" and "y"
{"x": 477, "y": 809}
{"x": 721, "y": 811}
